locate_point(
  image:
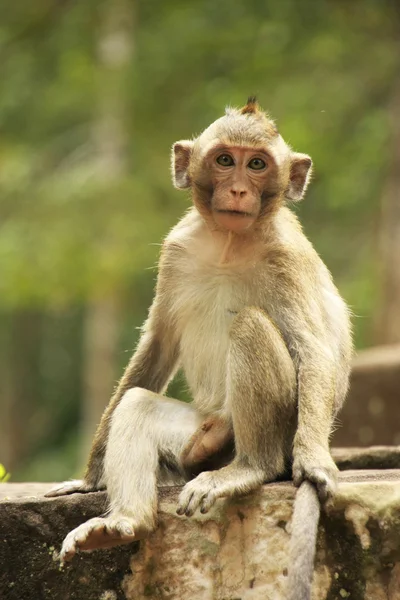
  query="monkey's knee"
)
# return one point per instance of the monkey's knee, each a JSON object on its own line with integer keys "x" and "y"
{"x": 134, "y": 401}
{"x": 257, "y": 342}
{"x": 137, "y": 394}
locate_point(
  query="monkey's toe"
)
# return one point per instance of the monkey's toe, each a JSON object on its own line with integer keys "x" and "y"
{"x": 98, "y": 533}
{"x": 198, "y": 493}
{"x": 71, "y": 487}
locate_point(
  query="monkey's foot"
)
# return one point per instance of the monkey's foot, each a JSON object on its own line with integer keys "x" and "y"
{"x": 71, "y": 487}
{"x": 201, "y": 493}
{"x": 97, "y": 533}
{"x": 321, "y": 472}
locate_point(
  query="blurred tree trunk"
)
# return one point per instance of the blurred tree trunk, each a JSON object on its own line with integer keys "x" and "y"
{"x": 103, "y": 310}
{"x": 19, "y": 385}
{"x": 388, "y": 322}
{"x": 100, "y": 345}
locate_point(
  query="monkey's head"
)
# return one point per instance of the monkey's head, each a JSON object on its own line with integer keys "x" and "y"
{"x": 240, "y": 169}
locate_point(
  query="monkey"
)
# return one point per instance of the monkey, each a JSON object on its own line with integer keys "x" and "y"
{"x": 244, "y": 304}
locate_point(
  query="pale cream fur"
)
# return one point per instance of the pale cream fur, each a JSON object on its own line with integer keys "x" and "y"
{"x": 263, "y": 337}
{"x": 207, "y": 293}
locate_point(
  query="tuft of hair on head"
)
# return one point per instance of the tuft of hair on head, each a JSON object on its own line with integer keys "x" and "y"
{"x": 251, "y": 107}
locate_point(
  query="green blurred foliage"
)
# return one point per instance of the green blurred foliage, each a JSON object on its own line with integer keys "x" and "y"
{"x": 4, "y": 476}
{"x": 324, "y": 70}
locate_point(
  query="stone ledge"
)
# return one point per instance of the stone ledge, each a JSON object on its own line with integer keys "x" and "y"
{"x": 239, "y": 551}
{"x": 369, "y": 413}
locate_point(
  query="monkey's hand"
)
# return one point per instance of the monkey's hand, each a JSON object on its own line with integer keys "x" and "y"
{"x": 315, "y": 465}
{"x": 210, "y": 439}
{"x": 79, "y": 486}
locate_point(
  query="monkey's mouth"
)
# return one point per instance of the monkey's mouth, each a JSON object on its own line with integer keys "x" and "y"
{"x": 238, "y": 213}
{"x": 233, "y": 220}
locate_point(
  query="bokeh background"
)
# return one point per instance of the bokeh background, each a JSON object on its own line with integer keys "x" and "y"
{"x": 93, "y": 94}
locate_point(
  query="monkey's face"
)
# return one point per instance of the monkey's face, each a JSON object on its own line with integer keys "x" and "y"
{"x": 233, "y": 184}
{"x": 236, "y": 183}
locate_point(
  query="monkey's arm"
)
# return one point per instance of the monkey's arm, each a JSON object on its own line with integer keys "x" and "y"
{"x": 151, "y": 367}
{"x": 316, "y": 389}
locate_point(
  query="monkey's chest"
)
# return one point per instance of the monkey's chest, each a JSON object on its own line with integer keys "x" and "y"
{"x": 205, "y": 321}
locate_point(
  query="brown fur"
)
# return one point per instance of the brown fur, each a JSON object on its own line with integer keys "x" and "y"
{"x": 251, "y": 107}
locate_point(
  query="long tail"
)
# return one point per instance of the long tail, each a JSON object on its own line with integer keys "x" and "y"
{"x": 303, "y": 542}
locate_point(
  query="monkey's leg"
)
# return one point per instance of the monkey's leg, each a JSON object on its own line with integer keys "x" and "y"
{"x": 147, "y": 431}
{"x": 262, "y": 402}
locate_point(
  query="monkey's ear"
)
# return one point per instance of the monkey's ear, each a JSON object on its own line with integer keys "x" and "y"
{"x": 181, "y": 153}
{"x": 300, "y": 172}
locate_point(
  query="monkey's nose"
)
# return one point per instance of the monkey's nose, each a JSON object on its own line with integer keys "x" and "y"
{"x": 238, "y": 192}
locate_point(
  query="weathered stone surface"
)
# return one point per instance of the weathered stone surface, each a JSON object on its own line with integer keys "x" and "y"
{"x": 32, "y": 529}
{"x": 239, "y": 551}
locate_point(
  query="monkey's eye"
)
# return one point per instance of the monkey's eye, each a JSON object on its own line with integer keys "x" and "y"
{"x": 256, "y": 164}
{"x": 225, "y": 160}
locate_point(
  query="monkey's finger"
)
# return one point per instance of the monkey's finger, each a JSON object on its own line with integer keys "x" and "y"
{"x": 207, "y": 502}
{"x": 195, "y": 502}
{"x": 325, "y": 483}
{"x": 184, "y": 499}
{"x": 298, "y": 476}
{"x": 190, "y": 498}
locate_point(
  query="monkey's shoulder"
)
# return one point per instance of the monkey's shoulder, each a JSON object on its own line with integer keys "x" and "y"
{"x": 190, "y": 226}
{"x": 295, "y": 260}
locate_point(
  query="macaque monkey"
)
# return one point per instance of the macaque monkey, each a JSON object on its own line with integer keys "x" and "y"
{"x": 247, "y": 308}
